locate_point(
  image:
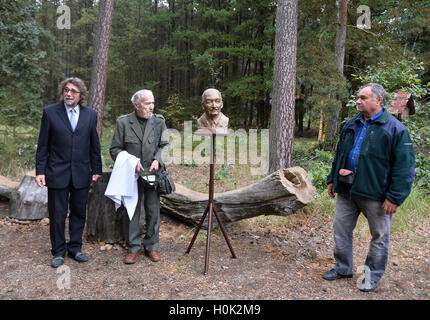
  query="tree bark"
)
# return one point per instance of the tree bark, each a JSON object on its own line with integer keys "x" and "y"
{"x": 284, "y": 86}
{"x": 341, "y": 34}
{"x": 27, "y": 201}
{"x": 281, "y": 193}
{"x": 340, "y": 60}
{"x": 103, "y": 222}
{"x": 100, "y": 61}
{"x": 331, "y": 121}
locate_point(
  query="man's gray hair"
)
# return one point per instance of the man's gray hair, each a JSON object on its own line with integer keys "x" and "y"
{"x": 137, "y": 97}
{"x": 377, "y": 91}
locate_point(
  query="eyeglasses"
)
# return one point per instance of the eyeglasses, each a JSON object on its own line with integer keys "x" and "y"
{"x": 73, "y": 91}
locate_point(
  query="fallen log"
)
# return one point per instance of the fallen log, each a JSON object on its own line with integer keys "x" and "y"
{"x": 281, "y": 193}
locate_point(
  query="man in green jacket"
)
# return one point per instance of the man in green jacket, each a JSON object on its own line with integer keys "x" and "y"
{"x": 134, "y": 133}
{"x": 372, "y": 172}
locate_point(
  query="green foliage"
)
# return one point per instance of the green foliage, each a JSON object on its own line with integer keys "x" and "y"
{"x": 316, "y": 162}
{"x": 176, "y": 113}
{"x": 17, "y": 153}
{"x": 22, "y": 64}
{"x": 222, "y": 172}
{"x": 419, "y": 128}
{"x": 403, "y": 75}
{"x": 422, "y": 171}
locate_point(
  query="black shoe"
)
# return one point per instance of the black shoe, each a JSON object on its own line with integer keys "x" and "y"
{"x": 368, "y": 288}
{"x": 57, "y": 261}
{"x": 333, "y": 275}
{"x": 80, "y": 257}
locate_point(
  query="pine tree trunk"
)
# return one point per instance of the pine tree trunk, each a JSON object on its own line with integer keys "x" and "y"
{"x": 332, "y": 120}
{"x": 100, "y": 61}
{"x": 284, "y": 86}
{"x": 340, "y": 59}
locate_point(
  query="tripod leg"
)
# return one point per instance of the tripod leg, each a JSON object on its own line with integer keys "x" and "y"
{"x": 208, "y": 238}
{"x": 198, "y": 229}
{"x": 224, "y": 232}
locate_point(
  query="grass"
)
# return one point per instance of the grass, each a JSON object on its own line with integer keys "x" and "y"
{"x": 413, "y": 212}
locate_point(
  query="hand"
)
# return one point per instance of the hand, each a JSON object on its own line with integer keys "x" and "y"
{"x": 96, "y": 177}
{"x": 389, "y": 207}
{"x": 330, "y": 190}
{"x": 154, "y": 166}
{"x": 139, "y": 167}
{"x": 40, "y": 180}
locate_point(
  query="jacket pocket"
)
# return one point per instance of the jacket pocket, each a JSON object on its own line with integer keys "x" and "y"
{"x": 131, "y": 139}
{"x": 377, "y": 145}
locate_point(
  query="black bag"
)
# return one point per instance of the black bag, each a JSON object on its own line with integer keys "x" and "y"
{"x": 346, "y": 176}
{"x": 165, "y": 184}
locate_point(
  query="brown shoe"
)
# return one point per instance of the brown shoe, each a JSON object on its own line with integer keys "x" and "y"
{"x": 131, "y": 258}
{"x": 154, "y": 256}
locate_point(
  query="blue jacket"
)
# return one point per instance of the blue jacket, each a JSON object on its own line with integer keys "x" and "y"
{"x": 386, "y": 164}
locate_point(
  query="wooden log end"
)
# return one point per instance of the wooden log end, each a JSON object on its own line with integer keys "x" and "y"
{"x": 297, "y": 182}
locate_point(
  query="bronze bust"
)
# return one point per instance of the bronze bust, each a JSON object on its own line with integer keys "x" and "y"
{"x": 213, "y": 118}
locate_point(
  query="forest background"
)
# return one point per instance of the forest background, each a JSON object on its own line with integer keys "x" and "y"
{"x": 178, "y": 48}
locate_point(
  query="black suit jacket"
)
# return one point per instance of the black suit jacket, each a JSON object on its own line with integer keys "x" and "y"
{"x": 63, "y": 155}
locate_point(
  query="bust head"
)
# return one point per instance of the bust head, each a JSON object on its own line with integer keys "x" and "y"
{"x": 212, "y": 103}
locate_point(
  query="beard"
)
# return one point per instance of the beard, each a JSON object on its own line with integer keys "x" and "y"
{"x": 147, "y": 115}
{"x": 71, "y": 104}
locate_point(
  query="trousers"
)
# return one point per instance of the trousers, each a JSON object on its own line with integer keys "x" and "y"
{"x": 348, "y": 209}
{"x": 132, "y": 229}
{"x": 60, "y": 201}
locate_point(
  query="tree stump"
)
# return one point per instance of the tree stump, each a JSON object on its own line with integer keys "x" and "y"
{"x": 27, "y": 201}
{"x": 104, "y": 224}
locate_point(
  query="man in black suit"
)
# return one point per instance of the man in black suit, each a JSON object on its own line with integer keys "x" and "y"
{"x": 67, "y": 159}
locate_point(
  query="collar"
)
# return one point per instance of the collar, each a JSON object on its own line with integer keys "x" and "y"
{"x": 215, "y": 120}
{"x": 380, "y": 117}
{"x": 77, "y": 108}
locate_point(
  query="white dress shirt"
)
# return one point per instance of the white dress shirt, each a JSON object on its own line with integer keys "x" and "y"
{"x": 77, "y": 111}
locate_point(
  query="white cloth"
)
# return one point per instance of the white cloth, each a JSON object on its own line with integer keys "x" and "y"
{"x": 122, "y": 185}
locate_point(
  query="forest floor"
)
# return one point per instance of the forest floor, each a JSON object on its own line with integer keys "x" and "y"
{"x": 278, "y": 258}
{"x": 284, "y": 262}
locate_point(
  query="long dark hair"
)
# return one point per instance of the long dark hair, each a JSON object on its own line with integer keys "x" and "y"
{"x": 76, "y": 82}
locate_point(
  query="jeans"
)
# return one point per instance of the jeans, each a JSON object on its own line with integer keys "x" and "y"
{"x": 348, "y": 208}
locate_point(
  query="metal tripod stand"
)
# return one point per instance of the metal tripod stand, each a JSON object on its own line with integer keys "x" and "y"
{"x": 210, "y": 208}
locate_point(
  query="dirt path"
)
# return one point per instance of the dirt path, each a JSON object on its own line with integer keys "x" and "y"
{"x": 286, "y": 264}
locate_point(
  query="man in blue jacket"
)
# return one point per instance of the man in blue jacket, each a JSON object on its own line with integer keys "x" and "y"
{"x": 67, "y": 160}
{"x": 372, "y": 172}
